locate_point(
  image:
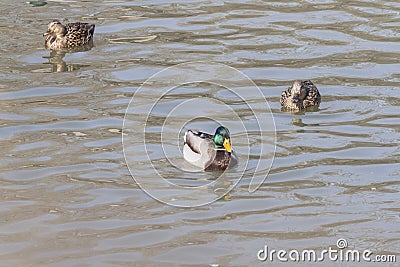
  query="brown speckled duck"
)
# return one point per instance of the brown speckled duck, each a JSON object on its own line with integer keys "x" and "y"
{"x": 301, "y": 95}
{"x": 209, "y": 152}
{"x": 71, "y": 35}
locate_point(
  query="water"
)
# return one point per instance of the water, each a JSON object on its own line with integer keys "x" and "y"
{"x": 68, "y": 198}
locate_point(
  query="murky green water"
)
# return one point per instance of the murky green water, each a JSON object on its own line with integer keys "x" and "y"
{"x": 67, "y": 197}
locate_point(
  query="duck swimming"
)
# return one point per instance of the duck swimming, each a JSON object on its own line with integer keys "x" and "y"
{"x": 209, "y": 152}
{"x": 301, "y": 95}
{"x": 59, "y": 36}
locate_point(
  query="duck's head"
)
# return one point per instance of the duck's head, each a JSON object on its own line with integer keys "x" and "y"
{"x": 55, "y": 27}
{"x": 222, "y": 139}
{"x": 298, "y": 92}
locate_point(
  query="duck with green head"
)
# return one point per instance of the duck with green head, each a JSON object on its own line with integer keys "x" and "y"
{"x": 209, "y": 152}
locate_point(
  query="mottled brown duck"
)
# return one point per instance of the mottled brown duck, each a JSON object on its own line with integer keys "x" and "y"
{"x": 301, "y": 95}
{"x": 71, "y": 35}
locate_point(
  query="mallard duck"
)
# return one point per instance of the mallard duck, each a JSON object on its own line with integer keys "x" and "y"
{"x": 209, "y": 152}
{"x": 301, "y": 95}
{"x": 59, "y": 36}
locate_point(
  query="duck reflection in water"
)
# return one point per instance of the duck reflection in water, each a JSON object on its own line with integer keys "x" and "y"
{"x": 56, "y": 59}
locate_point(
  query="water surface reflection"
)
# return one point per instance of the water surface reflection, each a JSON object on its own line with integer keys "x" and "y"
{"x": 67, "y": 196}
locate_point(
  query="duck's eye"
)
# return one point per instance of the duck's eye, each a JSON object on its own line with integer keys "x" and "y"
{"x": 52, "y": 39}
